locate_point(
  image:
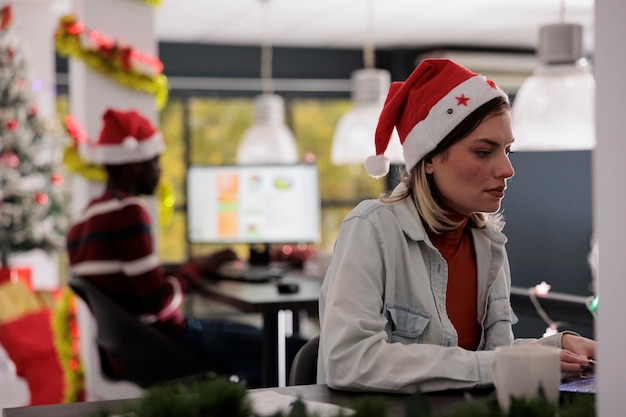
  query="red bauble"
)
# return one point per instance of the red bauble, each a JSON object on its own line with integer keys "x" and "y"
{"x": 12, "y": 125}
{"x": 57, "y": 179}
{"x": 41, "y": 198}
{"x": 9, "y": 159}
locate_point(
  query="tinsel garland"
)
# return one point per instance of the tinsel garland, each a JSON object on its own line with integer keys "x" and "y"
{"x": 153, "y": 3}
{"x": 67, "y": 343}
{"x": 112, "y": 60}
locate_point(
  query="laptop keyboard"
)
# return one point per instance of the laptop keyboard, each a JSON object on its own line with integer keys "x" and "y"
{"x": 242, "y": 271}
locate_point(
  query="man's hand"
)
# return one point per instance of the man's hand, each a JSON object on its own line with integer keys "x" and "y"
{"x": 209, "y": 264}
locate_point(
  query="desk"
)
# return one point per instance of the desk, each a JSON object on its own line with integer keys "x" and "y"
{"x": 439, "y": 402}
{"x": 264, "y": 298}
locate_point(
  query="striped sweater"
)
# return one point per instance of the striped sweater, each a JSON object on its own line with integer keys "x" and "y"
{"x": 111, "y": 245}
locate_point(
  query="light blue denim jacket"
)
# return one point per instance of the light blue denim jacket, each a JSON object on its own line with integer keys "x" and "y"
{"x": 384, "y": 325}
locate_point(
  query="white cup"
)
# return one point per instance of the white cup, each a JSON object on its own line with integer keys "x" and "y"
{"x": 521, "y": 370}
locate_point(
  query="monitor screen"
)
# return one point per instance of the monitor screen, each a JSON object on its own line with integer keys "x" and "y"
{"x": 253, "y": 204}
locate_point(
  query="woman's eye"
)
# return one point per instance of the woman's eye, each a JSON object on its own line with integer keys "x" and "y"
{"x": 483, "y": 154}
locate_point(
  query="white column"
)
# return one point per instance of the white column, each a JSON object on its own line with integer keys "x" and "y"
{"x": 35, "y": 26}
{"x": 132, "y": 23}
{"x": 129, "y": 22}
{"x": 610, "y": 203}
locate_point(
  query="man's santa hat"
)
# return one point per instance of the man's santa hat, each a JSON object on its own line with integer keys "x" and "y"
{"x": 425, "y": 108}
{"x": 127, "y": 137}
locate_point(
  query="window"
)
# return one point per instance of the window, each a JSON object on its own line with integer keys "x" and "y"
{"x": 215, "y": 126}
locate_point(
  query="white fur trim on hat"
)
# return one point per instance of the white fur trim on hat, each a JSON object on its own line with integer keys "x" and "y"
{"x": 126, "y": 152}
{"x": 444, "y": 116}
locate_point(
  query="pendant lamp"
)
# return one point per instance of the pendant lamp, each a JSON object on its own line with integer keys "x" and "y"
{"x": 268, "y": 140}
{"x": 353, "y": 140}
{"x": 554, "y": 107}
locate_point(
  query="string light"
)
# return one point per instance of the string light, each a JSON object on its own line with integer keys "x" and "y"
{"x": 541, "y": 290}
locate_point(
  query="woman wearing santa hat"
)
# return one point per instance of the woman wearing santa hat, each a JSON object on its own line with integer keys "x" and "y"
{"x": 418, "y": 292}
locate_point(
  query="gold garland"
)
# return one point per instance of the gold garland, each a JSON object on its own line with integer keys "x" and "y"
{"x": 110, "y": 59}
{"x": 153, "y": 3}
{"x": 67, "y": 343}
{"x": 75, "y": 164}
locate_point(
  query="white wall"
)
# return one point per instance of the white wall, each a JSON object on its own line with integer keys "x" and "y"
{"x": 610, "y": 203}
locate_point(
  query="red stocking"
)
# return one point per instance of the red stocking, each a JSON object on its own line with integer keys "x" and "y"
{"x": 29, "y": 342}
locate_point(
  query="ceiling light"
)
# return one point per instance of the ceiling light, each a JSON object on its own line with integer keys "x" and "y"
{"x": 554, "y": 107}
{"x": 268, "y": 140}
{"x": 353, "y": 140}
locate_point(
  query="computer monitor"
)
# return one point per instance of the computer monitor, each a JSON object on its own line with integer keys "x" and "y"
{"x": 262, "y": 204}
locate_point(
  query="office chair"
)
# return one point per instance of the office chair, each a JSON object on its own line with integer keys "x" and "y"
{"x": 147, "y": 357}
{"x": 304, "y": 366}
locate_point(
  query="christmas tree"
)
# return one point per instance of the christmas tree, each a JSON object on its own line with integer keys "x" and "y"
{"x": 32, "y": 197}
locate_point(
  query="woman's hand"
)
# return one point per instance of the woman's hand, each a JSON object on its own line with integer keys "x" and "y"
{"x": 576, "y": 353}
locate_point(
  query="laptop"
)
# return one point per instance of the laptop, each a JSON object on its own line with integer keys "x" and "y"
{"x": 580, "y": 383}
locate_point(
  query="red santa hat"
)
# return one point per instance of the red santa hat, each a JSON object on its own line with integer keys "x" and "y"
{"x": 425, "y": 108}
{"x": 126, "y": 137}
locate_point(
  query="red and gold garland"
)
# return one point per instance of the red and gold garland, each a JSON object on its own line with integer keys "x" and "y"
{"x": 67, "y": 343}
{"x": 124, "y": 64}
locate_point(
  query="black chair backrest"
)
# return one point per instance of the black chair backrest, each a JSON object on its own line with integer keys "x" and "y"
{"x": 147, "y": 356}
{"x": 304, "y": 366}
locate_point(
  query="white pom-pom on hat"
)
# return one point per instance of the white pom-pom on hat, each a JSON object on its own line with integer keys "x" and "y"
{"x": 377, "y": 165}
{"x": 127, "y": 136}
{"x": 130, "y": 143}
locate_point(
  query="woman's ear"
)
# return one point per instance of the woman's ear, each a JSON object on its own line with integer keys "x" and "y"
{"x": 428, "y": 166}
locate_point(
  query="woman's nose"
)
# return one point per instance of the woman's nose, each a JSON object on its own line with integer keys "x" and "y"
{"x": 505, "y": 169}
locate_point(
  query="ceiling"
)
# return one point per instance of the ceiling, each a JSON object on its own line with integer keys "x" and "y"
{"x": 383, "y": 23}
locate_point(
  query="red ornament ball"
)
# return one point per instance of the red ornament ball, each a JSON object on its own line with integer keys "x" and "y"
{"x": 41, "y": 198}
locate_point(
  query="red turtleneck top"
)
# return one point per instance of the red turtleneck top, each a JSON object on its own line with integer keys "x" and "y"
{"x": 457, "y": 248}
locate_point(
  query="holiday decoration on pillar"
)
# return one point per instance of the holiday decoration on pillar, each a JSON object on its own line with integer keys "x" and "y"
{"x": 67, "y": 342}
{"x": 121, "y": 62}
{"x": 32, "y": 199}
{"x": 153, "y": 3}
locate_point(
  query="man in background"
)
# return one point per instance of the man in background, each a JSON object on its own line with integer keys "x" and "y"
{"x": 111, "y": 245}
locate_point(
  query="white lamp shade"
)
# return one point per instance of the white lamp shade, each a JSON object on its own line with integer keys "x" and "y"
{"x": 269, "y": 140}
{"x": 353, "y": 140}
{"x": 554, "y": 110}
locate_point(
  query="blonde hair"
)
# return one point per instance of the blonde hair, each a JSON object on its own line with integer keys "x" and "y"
{"x": 422, "y": 190}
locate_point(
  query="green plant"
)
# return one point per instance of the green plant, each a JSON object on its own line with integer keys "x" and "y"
{"x": 220, "y": 397}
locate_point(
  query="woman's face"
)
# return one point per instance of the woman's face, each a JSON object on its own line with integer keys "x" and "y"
{"x": 471, "y": 175}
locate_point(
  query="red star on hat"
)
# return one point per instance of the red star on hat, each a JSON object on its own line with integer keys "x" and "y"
{"x": 462, "y": 100}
